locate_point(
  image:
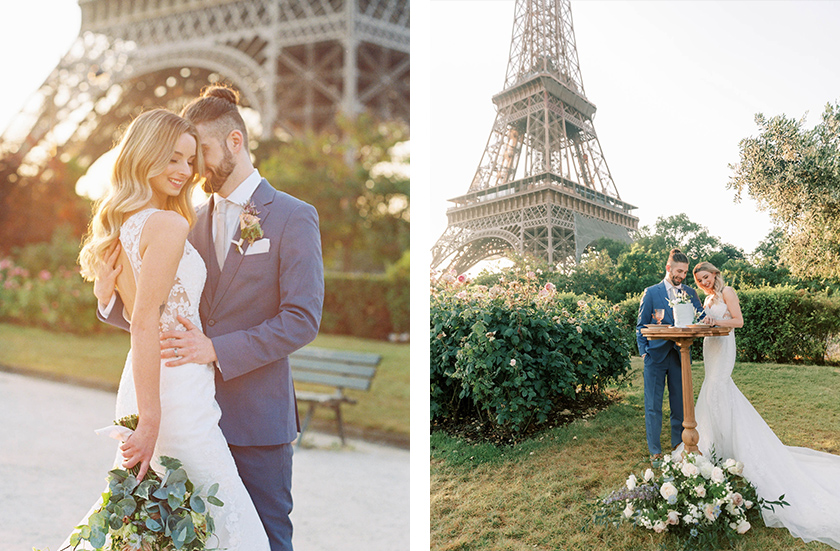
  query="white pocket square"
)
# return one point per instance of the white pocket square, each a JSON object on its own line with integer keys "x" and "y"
{"x": 258, "y": 247}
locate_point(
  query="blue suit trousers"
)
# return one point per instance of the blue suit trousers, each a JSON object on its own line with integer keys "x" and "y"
{"x": 656, "y": 376}
{"x": 266, "y": 472}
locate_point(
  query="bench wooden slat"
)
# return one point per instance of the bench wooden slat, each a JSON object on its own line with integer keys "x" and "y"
{"x": 341, "y": 356}
{"x": 331, "y": 380}
{"x": 361, "y": 371}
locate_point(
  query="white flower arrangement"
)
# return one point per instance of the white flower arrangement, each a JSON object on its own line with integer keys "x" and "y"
{"x": 695, "y": 498}
{"x": 681, "y": 297}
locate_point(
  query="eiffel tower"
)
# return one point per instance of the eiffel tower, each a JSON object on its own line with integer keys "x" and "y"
{"x": 296, "y": 63}
{"x": 542, "y": 186}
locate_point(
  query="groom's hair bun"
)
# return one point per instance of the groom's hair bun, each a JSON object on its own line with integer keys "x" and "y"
{"x": 677, "y": 255}
{"x": 217, "y": 106}
{"x": 221, "y": 91}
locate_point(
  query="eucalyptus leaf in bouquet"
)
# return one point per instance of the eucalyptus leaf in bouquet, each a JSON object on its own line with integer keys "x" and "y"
{"x": 164, "y": 512}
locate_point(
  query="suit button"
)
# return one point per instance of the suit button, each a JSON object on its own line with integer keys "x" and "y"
{"x": 212, "y": 323}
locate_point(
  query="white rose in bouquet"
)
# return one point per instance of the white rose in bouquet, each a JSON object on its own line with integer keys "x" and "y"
{"x": 669, "y": 492}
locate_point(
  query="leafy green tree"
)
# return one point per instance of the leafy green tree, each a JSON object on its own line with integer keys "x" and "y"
{"x": 350, "y": 176}
{"x": 794, "y": 173}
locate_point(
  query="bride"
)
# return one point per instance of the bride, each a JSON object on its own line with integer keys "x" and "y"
{"x": 727, "y": 422}
{"x": 148, "y": 210}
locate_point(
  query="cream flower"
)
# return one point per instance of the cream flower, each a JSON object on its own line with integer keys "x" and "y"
{"x": 631, "y": 482}
{"x": 669, "y": 492}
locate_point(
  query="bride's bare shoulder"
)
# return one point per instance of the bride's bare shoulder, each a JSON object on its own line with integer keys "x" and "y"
{"x": 167, "y": 223}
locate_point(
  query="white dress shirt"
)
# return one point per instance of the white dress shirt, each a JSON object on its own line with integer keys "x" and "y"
{"x": 237, "y": 201}
{"x": 672, "y": 289}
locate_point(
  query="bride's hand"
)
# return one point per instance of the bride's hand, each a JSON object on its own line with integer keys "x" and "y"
{"x": 139, "y": 448}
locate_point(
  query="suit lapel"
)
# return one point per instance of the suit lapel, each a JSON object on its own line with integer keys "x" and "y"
{"x": 261, "y": 198}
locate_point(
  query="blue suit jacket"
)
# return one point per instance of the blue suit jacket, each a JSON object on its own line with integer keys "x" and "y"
{"x": 257, "y": 310}
{"x": 654, "y": 297}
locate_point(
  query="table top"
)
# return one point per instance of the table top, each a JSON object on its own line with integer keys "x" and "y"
{"x": 671, "y": 332}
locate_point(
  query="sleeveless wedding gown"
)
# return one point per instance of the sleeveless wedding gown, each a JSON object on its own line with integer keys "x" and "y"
{"x": 809, "y": 479}
{"x": 189, "y": 426}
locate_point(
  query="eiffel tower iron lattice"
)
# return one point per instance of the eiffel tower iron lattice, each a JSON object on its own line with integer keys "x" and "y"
{"x": 542, "y": 186}
{"x": 297, "y": 64}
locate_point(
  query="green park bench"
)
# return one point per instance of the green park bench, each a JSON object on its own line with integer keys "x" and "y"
{"x": 337, "y": 369}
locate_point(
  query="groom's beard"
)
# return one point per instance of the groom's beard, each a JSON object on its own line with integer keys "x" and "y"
{"x": 216, "y": 176}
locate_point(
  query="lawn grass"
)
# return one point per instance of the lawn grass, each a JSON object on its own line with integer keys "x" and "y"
{"x": 538, "y": 494}
{"x": 97, "y": 360}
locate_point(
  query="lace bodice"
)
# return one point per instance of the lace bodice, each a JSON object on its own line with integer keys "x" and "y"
{"x": 716, "y": 308}
{"x": 186, "y": 291}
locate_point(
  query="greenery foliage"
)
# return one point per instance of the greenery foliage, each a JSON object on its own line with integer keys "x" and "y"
{"x": 513, "y": 351}
{"x": 366, "y": 305}
{"x": 41, "y": 286}
{"x": 784, "y": 324}
{"x": 357, "y": 179}
{"x": 794, "y": 173}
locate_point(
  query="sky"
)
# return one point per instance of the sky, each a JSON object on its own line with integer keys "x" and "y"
{"x": 34, "y": 35}
{"x": 677, "y": 85}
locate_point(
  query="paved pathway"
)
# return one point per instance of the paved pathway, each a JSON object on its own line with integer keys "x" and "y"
{"x": 52, "y": 469}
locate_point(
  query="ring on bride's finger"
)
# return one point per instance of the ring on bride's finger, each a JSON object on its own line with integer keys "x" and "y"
{"x": 176, "y": 352}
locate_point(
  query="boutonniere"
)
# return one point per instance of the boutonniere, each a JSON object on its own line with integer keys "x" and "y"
{"x": 249, "y": 224}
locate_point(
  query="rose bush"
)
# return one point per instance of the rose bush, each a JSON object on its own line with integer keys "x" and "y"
{"x": 512, "y": 351}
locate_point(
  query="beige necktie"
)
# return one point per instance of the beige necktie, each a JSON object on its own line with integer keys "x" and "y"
{"x": 222, "y": 241}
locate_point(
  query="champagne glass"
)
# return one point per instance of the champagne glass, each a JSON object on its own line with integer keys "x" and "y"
{"x": 658, "y": 315}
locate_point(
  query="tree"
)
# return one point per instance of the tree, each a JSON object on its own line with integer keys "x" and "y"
{"x": 794, "y": 174}
{"x": 349, "y": 176}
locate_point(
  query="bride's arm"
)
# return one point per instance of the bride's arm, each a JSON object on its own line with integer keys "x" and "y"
{"x": 161, "y": 248}
{"x": 734, "y": 307}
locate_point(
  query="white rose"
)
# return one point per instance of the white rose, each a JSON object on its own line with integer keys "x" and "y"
{"x": 706, "y": 470}
{"x": 689, "y": 469}
{"x": 673, "y": 517}
{"x": 700, "y": 490}
{"x": 669, "y": 492}
{"x": 717, "y": 475}
{"x": 738, "y": 469}
{"x": 748, "y": 504}
{"x": 743, "y": 526}
{"x": 659, "y": 527}
{"x": 648, "y": 475}
{"x": 628, "y": 511}
{"x": 631, "y": 482}
{"x": 736, "y": 499}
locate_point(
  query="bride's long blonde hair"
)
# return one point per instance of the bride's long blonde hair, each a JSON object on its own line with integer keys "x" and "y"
{"x": 719, "y": 283}
{"x": 144, "y": 151}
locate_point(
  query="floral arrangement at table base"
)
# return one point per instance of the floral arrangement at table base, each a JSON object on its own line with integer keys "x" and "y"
{"x": 702, "y": 502}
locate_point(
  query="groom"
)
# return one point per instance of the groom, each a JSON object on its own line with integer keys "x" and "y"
{"x": 261, "y": 302}
{"x": 661, "y": 356}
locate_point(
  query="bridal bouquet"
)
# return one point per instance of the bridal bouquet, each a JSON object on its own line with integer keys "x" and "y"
{"x": 161, "y": 513}
{"x": 702, "y": 502}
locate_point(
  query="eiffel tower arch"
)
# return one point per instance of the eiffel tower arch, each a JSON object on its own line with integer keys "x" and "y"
{"x": 297, "y": 64}
{"x": 542, "y": 185}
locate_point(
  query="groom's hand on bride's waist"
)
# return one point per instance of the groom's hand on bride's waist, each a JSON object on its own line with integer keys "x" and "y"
{"x": 183, "y": 347}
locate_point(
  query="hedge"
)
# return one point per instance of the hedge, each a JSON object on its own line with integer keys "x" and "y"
{"x": 56, "y": 297}
{"x": 781, "y": 324}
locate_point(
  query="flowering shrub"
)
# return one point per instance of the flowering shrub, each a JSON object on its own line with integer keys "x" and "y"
{"x": 513, "y": 350}
{"x": 700, "y": 501}
{"x": 58, "y": 299}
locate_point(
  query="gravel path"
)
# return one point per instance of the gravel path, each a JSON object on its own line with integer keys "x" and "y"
{"x": 53, "y": 467}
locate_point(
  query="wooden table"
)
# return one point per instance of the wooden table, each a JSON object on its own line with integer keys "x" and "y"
{"x": 684, "y": 336}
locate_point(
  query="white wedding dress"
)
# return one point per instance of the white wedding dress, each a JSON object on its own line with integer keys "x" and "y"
{"x": 189, "y": 426}
{"x": 809, "y": 479}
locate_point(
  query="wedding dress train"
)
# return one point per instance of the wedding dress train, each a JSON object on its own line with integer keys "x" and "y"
{"x": 727, "y": 422}
{"x": 189, "y": 426}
